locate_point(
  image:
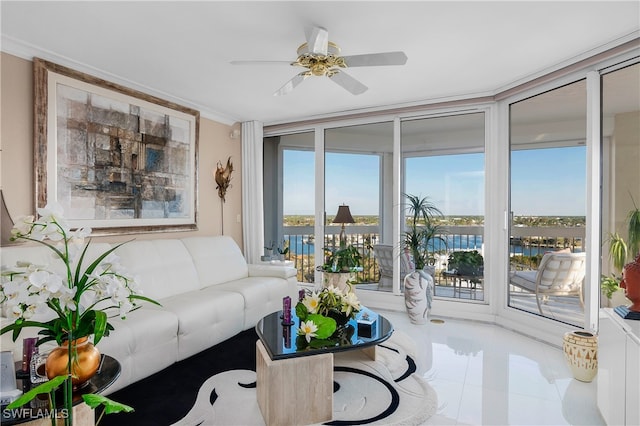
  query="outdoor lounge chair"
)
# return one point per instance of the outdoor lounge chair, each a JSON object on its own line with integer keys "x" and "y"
{"x": 384, "y": 255}
{"x": 559, "y": 274}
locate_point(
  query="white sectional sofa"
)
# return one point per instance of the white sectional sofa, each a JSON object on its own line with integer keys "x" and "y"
{"x": 207, "y": 290}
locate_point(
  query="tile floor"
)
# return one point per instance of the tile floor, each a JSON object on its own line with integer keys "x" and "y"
{"x": 487, "y": 375}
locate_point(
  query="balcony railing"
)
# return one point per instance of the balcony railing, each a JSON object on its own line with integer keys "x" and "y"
{"x": 528, "y": 245}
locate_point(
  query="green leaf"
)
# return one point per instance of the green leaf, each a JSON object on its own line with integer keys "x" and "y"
{"x": 634, "y": 231}
{"x": 301, "y": 311}
{"x": 110, "y": 406}
{"x": 19, "y": 324}
{"x": 46, "y": 387}
{"x": 322, "y": 343}
{"x": 100, "y": 258}
{"x": 326, "y": 325}
{"x": 99, "y": 327}
{"x": 145, "y": 299}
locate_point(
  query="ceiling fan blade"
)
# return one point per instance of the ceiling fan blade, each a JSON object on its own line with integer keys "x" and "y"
{"x": 291, "y": 84}
{"x": 376, "y": 59}
{"x": 349, "y": 83}
{"x": 260, "y": 62}
{"x": 318, "y": 40}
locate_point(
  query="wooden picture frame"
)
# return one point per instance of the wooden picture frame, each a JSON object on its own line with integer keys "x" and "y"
{"x": 117, "y": 160}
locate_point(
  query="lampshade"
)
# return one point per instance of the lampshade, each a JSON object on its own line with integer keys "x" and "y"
{"x": 343, "y": 215}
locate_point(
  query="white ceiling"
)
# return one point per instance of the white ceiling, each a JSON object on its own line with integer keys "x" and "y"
{"x": 180, "y": 51}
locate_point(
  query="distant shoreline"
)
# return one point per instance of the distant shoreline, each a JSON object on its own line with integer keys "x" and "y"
{"x": 451, "y": 220}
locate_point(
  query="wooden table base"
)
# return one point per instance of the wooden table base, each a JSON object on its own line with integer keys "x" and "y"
{"x": 294, "y": 391}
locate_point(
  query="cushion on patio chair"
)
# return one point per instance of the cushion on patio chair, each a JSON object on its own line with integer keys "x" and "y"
{"x": 559, "y": 274}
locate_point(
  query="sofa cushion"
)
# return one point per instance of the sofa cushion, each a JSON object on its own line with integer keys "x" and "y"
{"x": 144, "y": 343}
{"x": 284, "y": 272}
{"x": 217, "y": 259}
{"x": 205, "y": 318}
{"x": 164, "y": 266}
{"x": 44, "y": 256}
{"x": 262, "y": 296}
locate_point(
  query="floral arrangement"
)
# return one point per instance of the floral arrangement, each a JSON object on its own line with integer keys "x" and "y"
{"x": 322, "y": 314}
{"x": 77, "y": 294}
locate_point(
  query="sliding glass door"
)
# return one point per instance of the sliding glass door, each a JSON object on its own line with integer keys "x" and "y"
{"x": 356, "y": 158}
{"x": 443, "y": 162}
{"x": 548, "y": 204}
{"x": 620, "y": 171}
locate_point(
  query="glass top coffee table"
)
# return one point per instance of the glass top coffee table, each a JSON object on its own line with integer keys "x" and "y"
{"x": 294, "y": 385}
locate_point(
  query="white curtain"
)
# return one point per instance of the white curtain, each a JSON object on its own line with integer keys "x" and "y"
{"x": 252, "y": 197}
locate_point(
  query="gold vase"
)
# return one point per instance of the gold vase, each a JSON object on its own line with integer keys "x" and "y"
{"x": 84, "y": 362}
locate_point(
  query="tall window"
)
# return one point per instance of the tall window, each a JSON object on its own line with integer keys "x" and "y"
{"x": 354, "y": 163}
{"x": 444, "y": 162}
{"x": 620, "y": 171}
{"x": 548, "y": 204}
{"x": 289, "y": 203}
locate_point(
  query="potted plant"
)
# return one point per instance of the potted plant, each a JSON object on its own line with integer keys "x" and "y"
{"x": 418, "y": 238}
{"x": 467, "y": 263}
{"x": 621, "y": 251}
{"x": 79, "y": 295}
{"x": 340, "y": 265}
{"x": 421, "y": 233}
{"x": 283, "y": 250}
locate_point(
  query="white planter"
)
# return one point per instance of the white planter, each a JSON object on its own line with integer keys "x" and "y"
{"x": 337, "y": 279}
{"x": 418, "y": 291}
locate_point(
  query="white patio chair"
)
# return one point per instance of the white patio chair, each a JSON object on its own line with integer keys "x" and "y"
{"x": 384, "y": 256}
{"x": 559, "y": 274}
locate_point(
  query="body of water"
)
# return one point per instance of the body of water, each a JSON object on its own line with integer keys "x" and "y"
{"x": 300, "y": 245}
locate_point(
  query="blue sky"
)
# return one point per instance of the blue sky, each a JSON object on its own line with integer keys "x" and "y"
{"x": 548, "y": 182}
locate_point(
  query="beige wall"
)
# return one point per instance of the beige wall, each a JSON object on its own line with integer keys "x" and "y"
{"x": 16, "y": 159}
{"x": 625, "y": 169}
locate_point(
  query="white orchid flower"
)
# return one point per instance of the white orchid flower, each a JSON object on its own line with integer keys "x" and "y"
{"x": 51, "y": 212}
{"x": 65, "y": 296}
{"x": 22, "y": 225}
{"x": 16, "y": 312}
{"x": 15, "y": 292}
{"x": 125, "y": 308}
{"x": 29, "y": 311}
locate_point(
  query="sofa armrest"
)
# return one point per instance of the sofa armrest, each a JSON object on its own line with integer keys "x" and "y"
{"x": 278, "y": 271}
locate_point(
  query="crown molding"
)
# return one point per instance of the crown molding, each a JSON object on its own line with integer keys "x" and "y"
{"x": 28, "y": 52}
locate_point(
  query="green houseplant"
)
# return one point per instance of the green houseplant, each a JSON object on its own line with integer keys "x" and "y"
{"x": 340, "y": 265}
{"x": 422, "y": 232}
{"x": 621, "y": 251}
{"x": 344, "y": 259}
{"x": 467, "y": 262}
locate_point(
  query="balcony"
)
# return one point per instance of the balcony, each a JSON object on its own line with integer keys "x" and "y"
{"x": 528, "y": 245}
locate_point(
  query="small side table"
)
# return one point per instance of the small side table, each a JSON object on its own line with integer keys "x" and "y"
{"x": 34, "y": 414}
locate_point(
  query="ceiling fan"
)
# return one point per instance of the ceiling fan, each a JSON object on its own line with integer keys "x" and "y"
{"x": 321, "y": 57}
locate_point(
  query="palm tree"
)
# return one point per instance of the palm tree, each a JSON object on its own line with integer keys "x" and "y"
{"x": 422, "y": 231}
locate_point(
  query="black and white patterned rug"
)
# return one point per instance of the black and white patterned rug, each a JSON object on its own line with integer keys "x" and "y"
{"x": 386, "y": 391}
{"x": 217, "y": 387}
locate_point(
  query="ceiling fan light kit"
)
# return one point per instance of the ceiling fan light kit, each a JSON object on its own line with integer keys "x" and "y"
{"x": 321, "y": 57}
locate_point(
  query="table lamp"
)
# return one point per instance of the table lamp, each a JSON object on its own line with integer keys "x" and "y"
{"x": 343, "y": 216}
